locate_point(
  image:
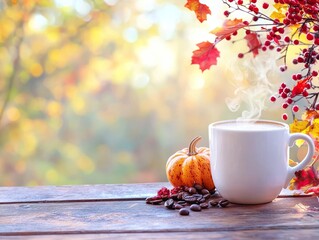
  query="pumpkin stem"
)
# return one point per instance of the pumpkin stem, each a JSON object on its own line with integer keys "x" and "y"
{"x": 192, "y": 146}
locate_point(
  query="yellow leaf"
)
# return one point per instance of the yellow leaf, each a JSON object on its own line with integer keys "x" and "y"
{"x": 298, "y": 126}
{"x": 277, "y": 15}
{"x": 279, "y": 6}
{"x": 314, "y": 130}
{"x": 302, "y": 126}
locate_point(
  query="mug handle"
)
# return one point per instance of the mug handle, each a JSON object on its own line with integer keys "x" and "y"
{"x": 311, "y": 148}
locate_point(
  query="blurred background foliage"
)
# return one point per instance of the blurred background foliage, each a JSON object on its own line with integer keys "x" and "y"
{"x": 102, "y": 91}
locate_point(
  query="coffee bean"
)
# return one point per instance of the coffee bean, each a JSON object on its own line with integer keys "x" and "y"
{"x": 202, "y": 200}
{"x": 154, "y": 200}
{"x": 192, "y": 190}
{"x": 174, "y": 196}
{"x": 195, "y": 207}
{"x": 190, "y": 199}
{"x": 183, "y": 212}
{"x": 178, "y": 206}
{"x": 207, "y": 196}
{"x": 185, "y": 194}
{"x": 197, "y": 195}
{"x": 198, "y": 187}
{"x": 205, "y": 191}
{"x": 183, "y": 203}
{"x": 223, "y": 203}
{"x": 169, "y": 203}
{"x": 185, "y": 188}
{"x": 203, "y": 205}
{"x": 213, "y": 203}
{"x": 180, "y": 195}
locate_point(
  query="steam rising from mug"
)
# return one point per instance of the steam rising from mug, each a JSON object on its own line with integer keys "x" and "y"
{"x": 255, "y": 81}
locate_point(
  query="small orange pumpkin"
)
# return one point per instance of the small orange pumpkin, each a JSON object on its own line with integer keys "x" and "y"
{"x": 190, "y": 166}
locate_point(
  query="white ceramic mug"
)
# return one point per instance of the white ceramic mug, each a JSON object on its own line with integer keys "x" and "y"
{"x": 249, "y": 160}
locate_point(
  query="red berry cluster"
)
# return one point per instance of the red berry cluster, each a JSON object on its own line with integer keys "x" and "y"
{"x": 301, "y": 18}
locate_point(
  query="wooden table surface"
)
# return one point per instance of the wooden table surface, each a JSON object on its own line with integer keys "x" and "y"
{"x": 119, "y": 211}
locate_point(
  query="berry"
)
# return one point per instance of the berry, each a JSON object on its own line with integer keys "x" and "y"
{"x": 226, "y": 13}
{"x": 284, "y": 116}
{"x": 317, "y": 107}
{"x": 285, "y": 105}
{"x": 296, "y": 41}
{"x": 295, "y": 108}
{"x": 273, "y": 98}
{"x": 240, "y": 55}
{"x": 314, "y": 73}
{"x": 309, "y": 36}
{"x": 265, "y": 5}
{"x": 287, "y": 39}
{"x": 305, "y": 93}
{"x": 289, "y": 100}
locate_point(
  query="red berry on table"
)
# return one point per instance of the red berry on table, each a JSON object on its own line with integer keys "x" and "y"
{"x": 248, "y": 31}
{"x": 273, "y": 98}
{"x": 226, "y": 13}
{"x": 283, "y": 85}
{"x": 317, "y": 107}
{"x": 296, "y": 41}
{"x": 295, "y": 108}
{"x": 240, "y": 55}
{"x": 265, "y": 5}
{"x": 240, "y": 2}
{"x": 255, "y": 18}
{"x": 305, "y": 93}
{"x": 284, "y": 95}
{"x": 314, "y": 73}
{"x": 285, "y": 116}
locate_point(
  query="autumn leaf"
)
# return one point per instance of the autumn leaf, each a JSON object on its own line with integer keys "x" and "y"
{"x": 298, "y": 126}
{"x": 205, "y": 56}
{"x": 300, "y": 86}
{"x": 306, "y": 178}
{"x": 253, "y": 43}
{"x": 228, "y": 28}
{"x": 314, "y": 129}
{"x": 310, "y": 115}
{"x": 201, "y": 10}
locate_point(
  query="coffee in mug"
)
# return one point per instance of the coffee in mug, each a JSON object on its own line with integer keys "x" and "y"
{"x": 249, "y": 159}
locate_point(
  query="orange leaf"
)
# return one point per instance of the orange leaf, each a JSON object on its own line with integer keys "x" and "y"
{"x": 200, "y": 9}
{"x": 253, "y": 43}
{"x": 205, "y": 56}
{"x": 228, "y": 28}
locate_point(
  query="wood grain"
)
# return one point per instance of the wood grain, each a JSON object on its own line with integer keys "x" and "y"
{"x": 79, "y": 193}
{"x": 127, "y": 217}
{"x": 247, "y": 234}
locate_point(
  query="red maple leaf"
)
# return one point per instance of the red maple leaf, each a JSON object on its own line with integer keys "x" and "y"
{"x": 306, "y": 178}
{"x": 200, "y": 9}
{"x": 205, "y": 56}
{"x": 300, "y": 86}
{"x": 228, "y": 28}
{"x": 253, "y": 43}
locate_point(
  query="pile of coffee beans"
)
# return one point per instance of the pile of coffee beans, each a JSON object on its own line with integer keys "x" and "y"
{"x": 194, "y": 198}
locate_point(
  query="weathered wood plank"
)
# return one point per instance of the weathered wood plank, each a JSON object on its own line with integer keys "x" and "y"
{"x": 138, "y": 217}
{"x": 85, "y": 192}
{"x": 248, "y": 234}
{"x": 79, "y": 193}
